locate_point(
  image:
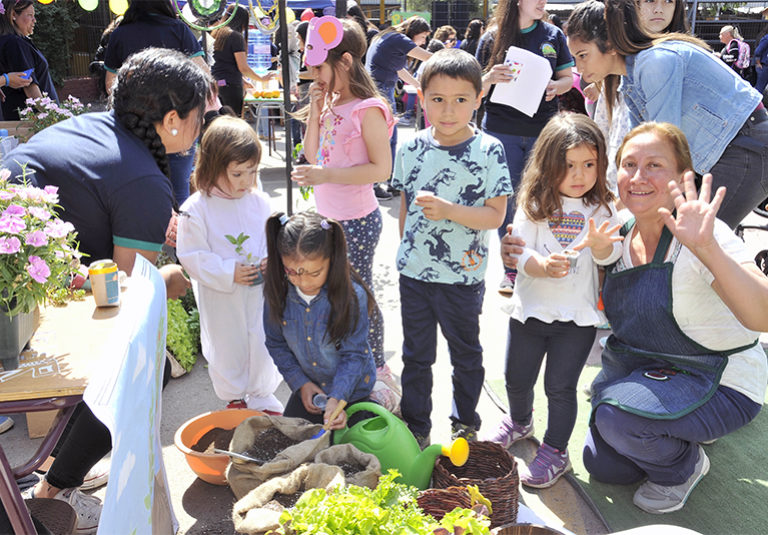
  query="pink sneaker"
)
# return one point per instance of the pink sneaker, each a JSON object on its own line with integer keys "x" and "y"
{"x": 510, "y": 432}
{"x": 546, "y": 468}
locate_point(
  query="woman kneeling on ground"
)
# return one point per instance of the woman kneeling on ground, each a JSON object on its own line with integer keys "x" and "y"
{"x": 686, "y": 303}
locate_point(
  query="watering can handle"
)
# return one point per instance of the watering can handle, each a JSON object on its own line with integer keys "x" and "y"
{"x": 370, "y": 407}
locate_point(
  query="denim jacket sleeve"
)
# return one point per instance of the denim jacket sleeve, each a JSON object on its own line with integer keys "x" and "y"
{"x": 354, "y": 355}
{"x": 281, "y": 354}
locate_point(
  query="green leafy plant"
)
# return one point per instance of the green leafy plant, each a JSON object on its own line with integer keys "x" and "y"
{"x": 299, "y": 158}
{"x": 389, "y": 509}
{"x": 55, "y": 34}
{"x": 238, "y": 243}
{"x": 38, "y": 252}
{"x": 183, "y": 335}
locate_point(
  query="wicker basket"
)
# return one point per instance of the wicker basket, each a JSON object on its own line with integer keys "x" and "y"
{"x": 439, "y": 502}
{"x": 493, "y": 470}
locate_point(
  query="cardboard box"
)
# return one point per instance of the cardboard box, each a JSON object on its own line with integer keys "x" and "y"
{"x": 38, "y": 423}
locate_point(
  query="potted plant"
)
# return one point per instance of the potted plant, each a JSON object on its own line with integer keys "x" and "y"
{"x": 38, "y": 258}
{"x": 42, "y": 112}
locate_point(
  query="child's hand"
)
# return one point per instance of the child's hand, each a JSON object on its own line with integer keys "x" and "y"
{"x": 433, "y": 207}
{"x": 317, "y": 95}
{"x": 600, "y": 240}
{"x": 340, "y": 421}
{"x": 263, "y": 265}
{"x": 511, "y": 248}
{"x": 308, "y": 391}
{"x": 245, "y": 274}
{"x": 170, "y": 232}
{"x": 556, "y": 265}
{"x": 309, "y": 175}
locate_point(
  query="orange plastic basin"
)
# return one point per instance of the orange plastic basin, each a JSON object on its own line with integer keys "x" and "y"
{"x": 210, "y": 467}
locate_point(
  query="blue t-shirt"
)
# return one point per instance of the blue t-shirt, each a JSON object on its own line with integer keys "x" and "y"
{"x": 155, "y": 30}
{"x": 549, "y": 42}
{"x": 18, "y": 54}
{"x": 387, "y": 55}
{"x": 445, "y": 251}
{"x": 110, "y": 187}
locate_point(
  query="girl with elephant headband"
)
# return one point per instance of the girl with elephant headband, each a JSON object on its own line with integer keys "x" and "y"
{"x": 676, "y": 79}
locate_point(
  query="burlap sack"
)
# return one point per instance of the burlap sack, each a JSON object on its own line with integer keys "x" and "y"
{"x": 347, "y": 453}
{"x": 244, "y": 476}
{"x": 256, "y": 513}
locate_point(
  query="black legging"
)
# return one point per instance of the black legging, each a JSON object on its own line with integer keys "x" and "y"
{"x": 232, "y": 96}
{"x": 84, "y": 442}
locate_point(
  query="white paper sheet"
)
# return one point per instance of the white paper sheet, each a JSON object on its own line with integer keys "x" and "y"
{"x": 531, "y": 73}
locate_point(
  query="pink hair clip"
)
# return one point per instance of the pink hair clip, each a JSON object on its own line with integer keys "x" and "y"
{"x": 323, "y": 34}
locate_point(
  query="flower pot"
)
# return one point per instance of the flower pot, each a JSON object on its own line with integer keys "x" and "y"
{"x": 15, "y": 333}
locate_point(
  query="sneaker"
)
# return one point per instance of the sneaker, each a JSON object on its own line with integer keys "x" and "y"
{"x": 460, "y": 430}
{"x": 97, "y": 476}
{"x": 88, "y": 509}
{"x": 393, "y": 191}
{"x": 546, "y": 468}
{"x": 708, "y": 442}
{"x": 658, "y": 499}
{"x": 510, "y": 432}
{"x": 5, "y": 423}
{"x": 237, "y": 404}
{"x": 507, "y": 286}
{"x": 381, "y": 193}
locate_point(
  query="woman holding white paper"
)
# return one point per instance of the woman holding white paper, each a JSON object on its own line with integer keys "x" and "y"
{"x": 520, "y": 24}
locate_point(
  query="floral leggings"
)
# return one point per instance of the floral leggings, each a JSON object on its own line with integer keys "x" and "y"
{"x": 362, "y": 238}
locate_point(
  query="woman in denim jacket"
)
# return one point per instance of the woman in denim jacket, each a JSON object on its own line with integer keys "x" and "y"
{"x": 316, "y": 316}
{"x": 676, "y": 79}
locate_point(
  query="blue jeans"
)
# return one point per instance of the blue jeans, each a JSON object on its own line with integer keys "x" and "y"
{"x": 387, "y": 90}
{"x": 762, "y": 79}
{"x": 743, "y": 170}
{"x": 181, "y": 169}
{"x": 623, "y": 448}
{"x": 517, "y": 149}
{"x": 456, "y": 309}
{"x": 567, "y": 347}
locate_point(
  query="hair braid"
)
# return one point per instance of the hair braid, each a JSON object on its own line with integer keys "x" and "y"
{"x": 145, "y": 131}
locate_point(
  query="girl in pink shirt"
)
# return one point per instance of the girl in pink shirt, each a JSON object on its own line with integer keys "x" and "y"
{"x": 347, "y": 147}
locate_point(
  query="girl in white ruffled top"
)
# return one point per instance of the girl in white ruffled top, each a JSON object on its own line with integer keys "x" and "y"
{"x": 566, "y": 218}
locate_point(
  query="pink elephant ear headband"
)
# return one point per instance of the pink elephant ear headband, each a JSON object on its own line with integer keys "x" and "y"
{"x": 323, "y": 34}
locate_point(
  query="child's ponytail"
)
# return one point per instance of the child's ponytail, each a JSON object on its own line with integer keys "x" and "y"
{"x": 275, "y": 285}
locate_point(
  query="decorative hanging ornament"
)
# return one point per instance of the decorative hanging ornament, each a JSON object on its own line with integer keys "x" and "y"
{"x": 88, "y": 5}
{"x": 307, "y": 14}
{"x": 207, "y": 10}
{"x": 323, "y": 34}
{"x": 290, "y": 15}
{"x": 266, "y": 19}
{"x": 118, "y": 7}
{"x": 199, "y": 27}
{"x": 45, "y": 1}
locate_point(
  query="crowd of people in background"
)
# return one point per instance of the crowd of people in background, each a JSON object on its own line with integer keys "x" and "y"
{"x": 646, "y": 149}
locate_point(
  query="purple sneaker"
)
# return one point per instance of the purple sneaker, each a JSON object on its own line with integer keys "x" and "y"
{"x": 546, "y": 468}
{"x": 510, "y": 432}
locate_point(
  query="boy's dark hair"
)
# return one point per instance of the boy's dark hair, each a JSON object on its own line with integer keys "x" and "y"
{"x": 310, "y": 235}
{"x": 453, "y": 63}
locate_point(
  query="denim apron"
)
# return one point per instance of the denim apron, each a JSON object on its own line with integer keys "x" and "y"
{"x": 650, "y": 367}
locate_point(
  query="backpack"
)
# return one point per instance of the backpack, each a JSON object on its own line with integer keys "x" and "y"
{"x": 742, "y": 62}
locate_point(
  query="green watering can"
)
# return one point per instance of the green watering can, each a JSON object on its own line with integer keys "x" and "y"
{"x": 387, "y": 437}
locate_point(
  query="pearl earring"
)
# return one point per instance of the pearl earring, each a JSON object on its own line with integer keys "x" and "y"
{"x": 174, "y": 132}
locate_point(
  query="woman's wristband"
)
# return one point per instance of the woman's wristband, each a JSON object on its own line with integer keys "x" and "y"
{"x": 7, "y": 80}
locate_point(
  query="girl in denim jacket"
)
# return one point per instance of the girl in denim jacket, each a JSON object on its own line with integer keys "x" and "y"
{"x": 316, "y": 316}
{"x": 676, "y": 79}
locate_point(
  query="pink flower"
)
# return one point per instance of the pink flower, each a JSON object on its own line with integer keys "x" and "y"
{"x": 6, "y": 195}
{"x": 58, "y": 228}
{"x": 4, "y": 175}
{"x": 40, "y": 213}
{"x": 36, "y": 238}
{"x": 38, "y": 269}
{"x": 14, "y": 210}
{"x": 11, "y": 225}
{"x": 10, "y": 245}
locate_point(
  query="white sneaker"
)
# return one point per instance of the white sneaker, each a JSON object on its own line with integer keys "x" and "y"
{"x": 88, "y": 509}
{"x": 97, "y": 476}
{"x": 5, "y": 423}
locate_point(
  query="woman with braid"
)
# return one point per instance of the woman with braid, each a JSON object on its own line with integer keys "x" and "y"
{"x": 115, "y": 189}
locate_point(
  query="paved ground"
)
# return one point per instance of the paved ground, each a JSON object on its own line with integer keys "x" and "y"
{"x": 204, "y": 508}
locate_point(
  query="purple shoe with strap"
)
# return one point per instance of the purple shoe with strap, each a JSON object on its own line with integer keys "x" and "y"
{"x": 546, "y": 468}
